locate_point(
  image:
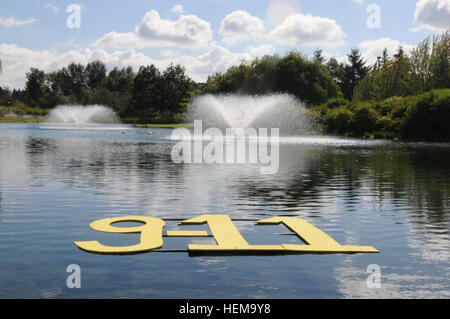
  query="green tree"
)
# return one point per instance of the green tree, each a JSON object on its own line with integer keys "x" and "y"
{"x": 70, "y": 82}
{"x": 213, "y": 83}
{"x": 96, "y": 74}
{"x": 148, "y": 86}
{"x": 381, "y": 60}
{"x": 394, "y": 77}
{"x": 176, "y": 85}
{"x": 114, "y": 90}
{"x": 425, "y": 68}
{"x": 234, "y": 79}
{"x": 308, "y": 81}
{"x": 384, "y": 56}
{"x": 353, "y": 73}
{"x": 35, "y": 87}
{"x": 58, "y": 86}
{"x": 120, "y": 80}
{"x": 440, "y": 61}
{"x": 261, "y": 75}
{"x": 402, "y": 83}
{"x": 337, "y": 71}
{"x": 318, "y": 56}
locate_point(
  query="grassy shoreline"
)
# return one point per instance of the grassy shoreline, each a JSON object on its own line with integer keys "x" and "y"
{"x": 40, "y": 120}
{"x": 21, "y": 120}
{"x": 169, "y": 126}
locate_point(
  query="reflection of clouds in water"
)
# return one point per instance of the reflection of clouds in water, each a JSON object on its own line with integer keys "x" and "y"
{"x": 404, "y": 281}
{"x": 209, "y": 261}
{"x": 352, "y": 284}
{"x": 432, "y": 251}
{"x": 141, "y": 177}
{"x": 193, "y": 193}
{"x": 13, "y": 158}
{"x": 429, "y": 241}
{"x": 196, "y": 189}
{"x": 50, "y": 293}
{"x": 209, "y": 264}
{"x": 430, "y": 245}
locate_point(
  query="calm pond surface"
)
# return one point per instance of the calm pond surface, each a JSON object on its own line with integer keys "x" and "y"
{"x": 54, "y": 182}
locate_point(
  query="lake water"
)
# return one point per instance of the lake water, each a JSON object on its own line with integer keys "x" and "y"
{"x": 55, "y": 181}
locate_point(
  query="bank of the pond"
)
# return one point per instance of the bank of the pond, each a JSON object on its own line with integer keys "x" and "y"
{"x": 21, "y": 120}
{"x": 41, "y": 120}
{"x": 366, "y": 135}
{"x": 169, "y": 126}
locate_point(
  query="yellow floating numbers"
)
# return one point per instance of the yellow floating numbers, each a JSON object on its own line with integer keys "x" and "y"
{"x": 187, "y": 233}
{"x": 151, "y": 235}
{"x": 225, "y": 233}
{"x": 316, "y": 240}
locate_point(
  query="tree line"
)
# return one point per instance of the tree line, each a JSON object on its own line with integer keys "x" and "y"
{"x": 404, "y": 95}
{"x": 144, "y": 95}
{"x": 334, "y": 92}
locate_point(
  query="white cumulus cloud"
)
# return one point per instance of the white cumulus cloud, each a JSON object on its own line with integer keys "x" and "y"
{"x": 279, "y": 10}
{"x": 170, "y": 53}
{"x": 17, "y": 61}
{"x": 240, "y": 26}
{"x": 433, "y": 15}
{"x": 53, "y": 7}
{"x": 14, "y": 22}
{"x": 371, "y": 49}
{"x": 306, "y": 30}
{"x": 217, "y": 59}
{"x": 120, "y": 40}
{"x": 260, "y": 50}
{"x": 177, "y": 9}
{"x": 188, "y": 31}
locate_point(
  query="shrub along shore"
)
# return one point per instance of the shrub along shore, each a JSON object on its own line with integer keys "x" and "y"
{"x": 425, "y": 116}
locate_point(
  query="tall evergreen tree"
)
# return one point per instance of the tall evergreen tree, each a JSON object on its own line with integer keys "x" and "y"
{"x": 385, "y": 56}
{"x": 354, "y": 72}
{"x": 318, "y": 56}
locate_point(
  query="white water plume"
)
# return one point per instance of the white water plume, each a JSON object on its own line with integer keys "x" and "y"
{"x": 80, "y": 115}
{"x": 281, "y": 111}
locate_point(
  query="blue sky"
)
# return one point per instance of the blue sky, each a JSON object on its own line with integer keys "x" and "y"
{"x": 205, "y": 36}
